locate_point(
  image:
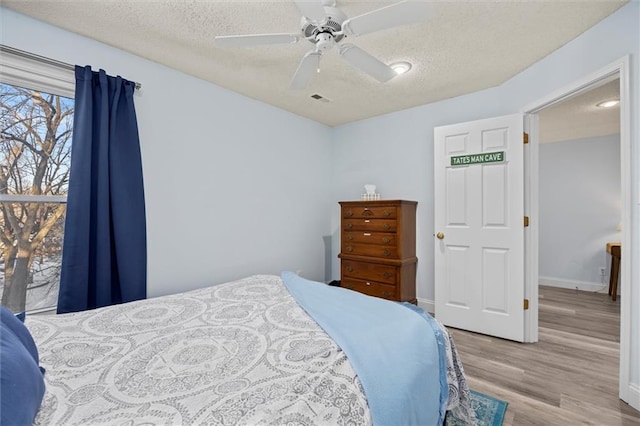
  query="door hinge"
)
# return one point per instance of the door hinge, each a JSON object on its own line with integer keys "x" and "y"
{"x": 526, "y": 304}
{"x": 526, "y": 138}
{"x": 526, "y": 221}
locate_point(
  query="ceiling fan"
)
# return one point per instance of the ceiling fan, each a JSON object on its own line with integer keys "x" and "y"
{"x": 326, "y": 26}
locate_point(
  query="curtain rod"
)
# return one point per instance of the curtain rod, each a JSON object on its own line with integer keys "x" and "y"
{"x": 43, "y": 59}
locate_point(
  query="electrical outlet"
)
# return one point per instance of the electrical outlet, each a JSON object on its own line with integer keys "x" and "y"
{"x": 602, "y": 269}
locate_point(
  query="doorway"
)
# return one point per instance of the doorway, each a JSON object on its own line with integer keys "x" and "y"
{"x": 579, "y": 214}
{"x": 619, "y": 69}
{"x": 579, "y": 189}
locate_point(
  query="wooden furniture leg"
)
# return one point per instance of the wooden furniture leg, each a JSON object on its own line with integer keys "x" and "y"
{"x": 616, "y": 253}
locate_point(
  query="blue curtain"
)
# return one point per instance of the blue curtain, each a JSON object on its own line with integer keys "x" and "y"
{"x": 104, "y": 256}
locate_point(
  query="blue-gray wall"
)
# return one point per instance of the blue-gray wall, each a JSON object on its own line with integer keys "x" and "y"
{"x": 579, "y": 211}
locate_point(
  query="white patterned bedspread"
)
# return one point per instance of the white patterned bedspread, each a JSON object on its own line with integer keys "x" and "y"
{"x": 242, "y": 352}
{"x": 236, "y": 353}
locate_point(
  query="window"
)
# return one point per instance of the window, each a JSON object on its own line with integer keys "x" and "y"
{"x": 36, "y": 122}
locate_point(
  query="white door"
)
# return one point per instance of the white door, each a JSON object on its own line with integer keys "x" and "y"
{"x": 479, "y": 226}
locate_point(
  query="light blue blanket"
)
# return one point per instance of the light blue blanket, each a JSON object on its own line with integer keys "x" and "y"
{"x": 392, "y": 349}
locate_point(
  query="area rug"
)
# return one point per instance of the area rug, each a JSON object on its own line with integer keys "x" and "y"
{"x": 489, "y": 410}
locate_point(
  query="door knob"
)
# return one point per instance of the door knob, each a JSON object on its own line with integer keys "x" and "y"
{"x": 440, "y": 235}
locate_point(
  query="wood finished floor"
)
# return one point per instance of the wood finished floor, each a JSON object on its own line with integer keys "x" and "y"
{"x": 570, "y": 377}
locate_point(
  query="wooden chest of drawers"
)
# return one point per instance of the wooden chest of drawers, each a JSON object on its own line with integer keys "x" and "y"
{"x": 378, "y": 248}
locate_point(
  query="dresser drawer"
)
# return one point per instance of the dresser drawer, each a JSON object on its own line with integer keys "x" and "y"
{"x": 371, "y": 288}
{"x": 382, "y": 238}
{"x": 373, "y": 250}
{"x": 371, "y": 212}
{"x": 370, "y": 225}
{"x": 369, "y": 271}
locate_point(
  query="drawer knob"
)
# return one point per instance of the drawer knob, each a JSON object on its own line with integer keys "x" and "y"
{"x": 349, "y": 249}
{"x": 387, "y": 275}
{"x": 386, "y": 240}
{"x": 386, "y": 213}
{"x": 368, "y": 283}
{"x": 349, "y": 213}
{"x": 349, "y": 225}
{"x": 350, "y": 286}
{"x": 349, "y": 269}
{"x": 387, "y": 294}
{"x": 386, "y": 252}
{"x": 349, "y": 237}
{"x": 387, "y": 226}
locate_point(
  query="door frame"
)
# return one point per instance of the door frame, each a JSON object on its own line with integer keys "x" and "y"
{"x": 619, "y": 68}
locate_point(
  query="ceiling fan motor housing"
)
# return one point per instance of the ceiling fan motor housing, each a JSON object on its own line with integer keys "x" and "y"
{"x": 315, "y": 31}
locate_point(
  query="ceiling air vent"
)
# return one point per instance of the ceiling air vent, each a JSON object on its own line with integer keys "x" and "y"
{"x": 320, "y": 98}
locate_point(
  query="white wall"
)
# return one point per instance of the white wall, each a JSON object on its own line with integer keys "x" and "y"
{"x": 579, "y": 210}
{"x": 233, "y": 186}
{"x": 395, "y": 151}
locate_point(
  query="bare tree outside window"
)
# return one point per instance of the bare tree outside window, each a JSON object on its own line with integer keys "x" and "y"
{"x": 35, "y": 153}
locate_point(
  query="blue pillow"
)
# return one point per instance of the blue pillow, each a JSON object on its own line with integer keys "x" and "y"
{"x": 21, "y": 382}
{"x": 15, "y": 324}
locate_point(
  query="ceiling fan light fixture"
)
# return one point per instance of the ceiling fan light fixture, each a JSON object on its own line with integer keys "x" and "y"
{"x": 608, "y": 104}
{"x": 325, "y": 41}
{"x": 401, "y": 67}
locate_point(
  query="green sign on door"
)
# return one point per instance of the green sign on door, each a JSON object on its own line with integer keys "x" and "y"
{"x": 485, "y": 157}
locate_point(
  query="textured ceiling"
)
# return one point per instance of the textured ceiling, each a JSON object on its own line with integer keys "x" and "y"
{"x": 579, "y": 117}
{"x": 461, "y": 47}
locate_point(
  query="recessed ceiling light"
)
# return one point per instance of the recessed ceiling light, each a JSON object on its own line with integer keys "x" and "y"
{"x": 608, "y": 104}
{"x": 401, "y": 67}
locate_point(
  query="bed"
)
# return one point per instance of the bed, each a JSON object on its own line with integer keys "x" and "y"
{"x": 246, "y": 352}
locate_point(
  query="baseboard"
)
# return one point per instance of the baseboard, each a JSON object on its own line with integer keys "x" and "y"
{"x": 634, "y": 396}
{"x": 427, "y": 305}
{"x": 573, "y": 284}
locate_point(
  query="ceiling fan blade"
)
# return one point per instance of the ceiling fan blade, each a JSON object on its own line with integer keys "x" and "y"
{"x": 312, "y": 9}
{"x": 366, "y": 63}
{"x": 402, "y": 13}
{"x": 256, "y": 40}
{"x": 306, "y": 70}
